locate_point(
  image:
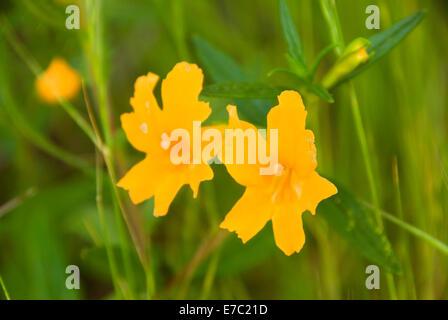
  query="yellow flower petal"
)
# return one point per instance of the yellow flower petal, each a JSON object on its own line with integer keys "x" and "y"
{"x": 138, "y": 131}
{"x": 143, "y": 178}
{"x": 144, "y": 101}
{"x": 295, "y": 188}
{"x": 59, "y": 81}
{"x": 249, "y": 215}
{"x": 316, "y": 189}
{"x": 196, "y": 174}
{"x": 288, "y": 117}
{"x": 148, "y": 129}
{"x": 288, "y": 229}
{"x": 166, "y": 191}
{"x": 180, "y": 94}
{"x": 245, "y": 174}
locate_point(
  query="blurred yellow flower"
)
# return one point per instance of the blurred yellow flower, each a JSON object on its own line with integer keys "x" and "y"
{"x": 58, "y": 81}
{"x": 149, "y": 130}
{"x": 294, "y": 188}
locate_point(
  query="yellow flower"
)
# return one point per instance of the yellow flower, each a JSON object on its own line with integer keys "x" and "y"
{"x": 295, "y": 188}
{"x": 58, "y": 81}
{"x": 149, "y": 128}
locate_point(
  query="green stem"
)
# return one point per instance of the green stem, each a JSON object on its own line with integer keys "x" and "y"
{"x": 5, "y": 291}
{"x": 179, "y": 30}
{"x": 133, "y": 227}
{"x": 37, "y": 70}
{"x": 360, "y": 131}
{"x": 330, "y": 12}
{"x": 103, "y": 223}
{"x": 331, "y": 16}
{"x": 437, "y": 244}
{"x": 95, "y": 53}
{"x": 125, "y": 248}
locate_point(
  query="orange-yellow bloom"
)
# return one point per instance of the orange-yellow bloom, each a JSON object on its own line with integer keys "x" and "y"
{"x": 295, "y": 188}
{"x": 148, "y": 129}
{"x": 58, "y": 81}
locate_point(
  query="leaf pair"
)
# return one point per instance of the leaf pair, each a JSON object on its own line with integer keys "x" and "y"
{"x": 234, "y": 84}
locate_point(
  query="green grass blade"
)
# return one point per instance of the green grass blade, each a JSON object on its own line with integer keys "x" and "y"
{"x": 385, "y": 41}
{"x": 349, "y": 218}
{"x": 292, "y": 37}
{"x": 321, "y": 92}
{"x": 5, "y": 291}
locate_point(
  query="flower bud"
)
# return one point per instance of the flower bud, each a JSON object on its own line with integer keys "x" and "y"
{"x": 354, "y": 55}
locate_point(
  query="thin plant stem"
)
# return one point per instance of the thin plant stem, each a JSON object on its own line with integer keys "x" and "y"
{"x": 17, "y": 201}
{"x": 5, "y": 291}
{"x": 179, "y": 29}
{"x": 203, "y": 251}
{"x": 37, "y": 70}
{"x": 125, "y": 248}
{"x": 95, "y": 48}
{"x": 96, "y": 54}
{"x": 210, "y": 275}
{"x": 435, "y": 243}
{"x": 99, "y": 203}
{"x": 329, "y": 10}
{"x": 403, "y": 238}
{"x": 331, "y": 15}
{"x": 360, "y": 131}
{"x": 134, "y": 230}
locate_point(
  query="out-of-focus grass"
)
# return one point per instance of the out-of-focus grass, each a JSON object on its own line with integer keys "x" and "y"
{"x": 403, "y": 103}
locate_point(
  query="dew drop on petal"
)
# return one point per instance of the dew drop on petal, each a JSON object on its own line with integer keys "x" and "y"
{"x": 278, "y": 169}
{"x": 165, "y": 143}
{"x": 144, "y": 127}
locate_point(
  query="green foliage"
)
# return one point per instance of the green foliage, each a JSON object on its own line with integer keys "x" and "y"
{"x": 348, "y": 217}
{"x": 293, "y": 40}
{"x": 242, "y": 90}
{"x": 383, "y": 42}
{"x": 402, "y": 106}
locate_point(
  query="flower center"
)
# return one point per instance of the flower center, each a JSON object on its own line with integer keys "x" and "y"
{"x": 283, "y": 186}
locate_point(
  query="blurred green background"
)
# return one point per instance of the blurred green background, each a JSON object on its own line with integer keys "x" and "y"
{"x": 49, "y": 218}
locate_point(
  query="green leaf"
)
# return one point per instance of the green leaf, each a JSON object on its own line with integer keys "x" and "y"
{"x": 242, "y": 90}
{"x": 347, "y": 216}
{"x": 292, "y": 38}
{"x": 321, "y": 92}
{"x": 383, "y": 42}
{"x": 220, "y": 66}
{"x": 319, "y": 58}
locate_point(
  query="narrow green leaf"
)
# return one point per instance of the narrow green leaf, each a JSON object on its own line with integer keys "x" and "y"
{"x": 241, "y": 90}
{"x": 321, "y": 92}
{"x": 297, "y": 67}
{"x": 291, "y": 36}
{"x": 349, "y": 218}
{"x": 319, "y": 58}
{"x": 220, "y": 66}
{"x": 385, "y": 41}
{"x": 331, "y": 16}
